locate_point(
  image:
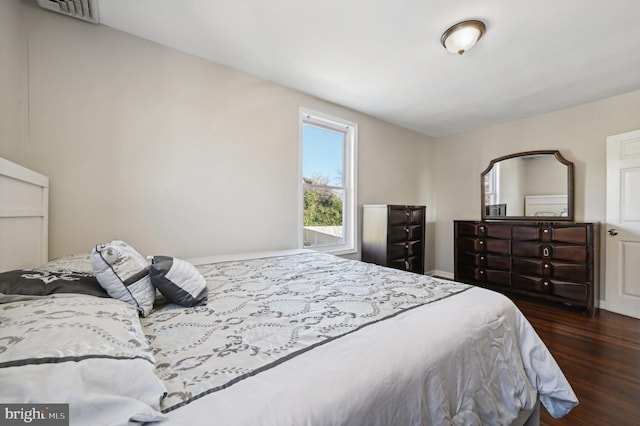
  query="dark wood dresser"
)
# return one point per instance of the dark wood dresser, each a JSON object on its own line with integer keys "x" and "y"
{"x": 393, "y": 236}
{"x": 555, "y": 261}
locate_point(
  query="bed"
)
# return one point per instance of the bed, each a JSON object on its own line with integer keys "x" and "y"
{"x": 284, "y": 338}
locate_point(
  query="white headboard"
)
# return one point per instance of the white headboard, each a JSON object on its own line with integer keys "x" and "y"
{"x": 24, "y": 217}
{"x": 545, "y": 205}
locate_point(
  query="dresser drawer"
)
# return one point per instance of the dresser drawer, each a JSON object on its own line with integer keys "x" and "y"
{"x": 550, "y": 269}
{"x": 405, "y": 233}
{"x": 411, "y": 264}
{"x": 570, "y": 234}
{"x": 406, "y": 215}
{"x": 563, "y": 289}
{"x": 485, "y": 260}
{"x": 405, "y": 249}
{"x": 547, "y": 233}
{"x": 488, "y": 276}
{"x": 531, "y": 233}
{"x": 569, "y": 253}
{"x": 484, "y": 245}
{"x": 485, "y": 230}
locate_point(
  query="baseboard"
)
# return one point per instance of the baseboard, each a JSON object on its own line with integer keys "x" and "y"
{"x": 603, "y": 306}
{"x": 437, "y": 273}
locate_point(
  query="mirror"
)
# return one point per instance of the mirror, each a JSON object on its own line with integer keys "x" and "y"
{"x": 533, "y": 185}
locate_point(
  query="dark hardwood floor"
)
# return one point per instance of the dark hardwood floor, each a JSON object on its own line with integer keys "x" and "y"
{"x": 600, "y": 357}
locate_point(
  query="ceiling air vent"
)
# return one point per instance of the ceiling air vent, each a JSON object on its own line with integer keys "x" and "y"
{"x": 87, "y": 10}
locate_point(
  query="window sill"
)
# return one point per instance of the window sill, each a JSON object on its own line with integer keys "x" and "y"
{"x": 335, "y": 250}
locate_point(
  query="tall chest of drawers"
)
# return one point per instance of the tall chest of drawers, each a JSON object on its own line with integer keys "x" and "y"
{"x": 549, "y": 260}
{"x": 393, "y": 236}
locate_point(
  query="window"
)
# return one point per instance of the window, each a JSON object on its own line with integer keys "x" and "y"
{"x": 490, "y": 190}
{"x": 327, "y": 183}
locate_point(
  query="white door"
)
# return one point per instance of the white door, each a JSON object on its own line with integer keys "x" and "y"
{"x": 623, "y": 224}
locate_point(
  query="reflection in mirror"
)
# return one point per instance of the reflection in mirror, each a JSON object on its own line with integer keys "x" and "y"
{"x": 536, "y": 185}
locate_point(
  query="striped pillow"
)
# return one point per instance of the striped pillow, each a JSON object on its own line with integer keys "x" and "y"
{"x": 178, "y": 280}
{"x": 124, "y": 274}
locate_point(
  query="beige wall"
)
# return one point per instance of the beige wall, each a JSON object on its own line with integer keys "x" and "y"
{"x": 13, "y": 81}
{"x": 177, "y": 155}
{"x": 544, "y": 176}
{"x": 579, "y": 133}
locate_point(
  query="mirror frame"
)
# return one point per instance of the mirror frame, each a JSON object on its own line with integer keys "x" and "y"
{"x": 570, "y": 188}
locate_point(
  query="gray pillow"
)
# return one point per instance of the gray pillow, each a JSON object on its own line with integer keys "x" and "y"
{"x": 124, "y": 274}
{"x": 178, "y": 280}
{"x": 43, "y": 282}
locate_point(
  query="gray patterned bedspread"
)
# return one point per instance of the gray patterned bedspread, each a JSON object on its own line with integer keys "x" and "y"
{"x": 264, "y": 311}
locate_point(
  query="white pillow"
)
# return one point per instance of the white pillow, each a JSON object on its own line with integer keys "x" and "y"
{"x": 124, "y": 274}
{"x": 77, "y": 263}
{"x": 88, "y": 352}
{"x": 178, "y": 280}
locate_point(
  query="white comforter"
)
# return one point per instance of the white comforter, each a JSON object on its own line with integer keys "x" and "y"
{"x": 469, "y": 359}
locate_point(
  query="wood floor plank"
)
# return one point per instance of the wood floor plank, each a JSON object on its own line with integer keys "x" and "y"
{"x": 600, "y": 357}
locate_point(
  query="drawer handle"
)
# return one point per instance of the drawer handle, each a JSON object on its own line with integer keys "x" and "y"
{"x": 481, "y": 242}
{"x": 406, "y": 264}
{"x": 481, "y": 272}
{"x": 482, "y": 229}
{"x": 482, "y": 258}
{"x": 546, "y": 266}
{"x": 546, "y": 231}
{"x": 546, "y": 283}
{"x": 545, "y": 252}
{"x": 406, "y": 230}
{"x": 406, "y": 246}
{"x": 407, "y": 212}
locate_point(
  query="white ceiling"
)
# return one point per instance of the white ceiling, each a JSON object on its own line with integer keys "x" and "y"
{"x": 384, "y": 57}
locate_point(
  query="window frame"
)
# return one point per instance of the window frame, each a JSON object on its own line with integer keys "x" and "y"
{"x": 350, "y": 214}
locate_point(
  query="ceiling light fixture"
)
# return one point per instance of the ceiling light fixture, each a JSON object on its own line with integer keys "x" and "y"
{"x": 462, "y": 36}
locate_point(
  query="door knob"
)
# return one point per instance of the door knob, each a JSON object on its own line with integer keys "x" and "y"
{"x": 613, "y": 232}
